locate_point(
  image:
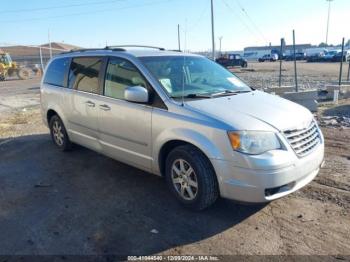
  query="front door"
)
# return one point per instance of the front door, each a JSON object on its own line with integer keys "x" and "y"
{"x": 125, "y": 127}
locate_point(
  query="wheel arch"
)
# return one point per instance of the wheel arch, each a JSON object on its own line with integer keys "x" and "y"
{"x": 49, "y": 114}
{"x": 179, "y": 138}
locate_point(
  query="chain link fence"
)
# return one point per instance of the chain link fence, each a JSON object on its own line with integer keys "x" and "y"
{"x": 32, "y": 59}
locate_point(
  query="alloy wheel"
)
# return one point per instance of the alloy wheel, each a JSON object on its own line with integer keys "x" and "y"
{"x": 184, "y": 179}
{"x": 57, "y": 132}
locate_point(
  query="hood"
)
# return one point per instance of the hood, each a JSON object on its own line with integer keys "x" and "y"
{"x": 255, "y": 110}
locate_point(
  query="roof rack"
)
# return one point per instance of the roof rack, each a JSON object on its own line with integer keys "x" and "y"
{"x": 141, "y": 46}
{"x": 112, "y": 48}
{"x": 93, "y": 49}
{"x": 175, "y": 50}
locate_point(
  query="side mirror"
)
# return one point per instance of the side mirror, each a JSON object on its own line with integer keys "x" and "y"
{"x": 137, "y": 94}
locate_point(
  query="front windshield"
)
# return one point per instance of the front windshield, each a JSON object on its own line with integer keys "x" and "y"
{"x": 191, "y": 75}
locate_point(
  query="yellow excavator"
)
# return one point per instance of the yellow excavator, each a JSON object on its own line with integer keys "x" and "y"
{"x": 10, "y": 68}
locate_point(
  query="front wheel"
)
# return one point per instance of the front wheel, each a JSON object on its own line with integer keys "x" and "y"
{"x": 59, "y": 134}
{"x": 191, "y": 177}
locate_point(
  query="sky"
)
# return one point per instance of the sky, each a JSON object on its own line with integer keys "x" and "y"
{"x": 240, "y": 23}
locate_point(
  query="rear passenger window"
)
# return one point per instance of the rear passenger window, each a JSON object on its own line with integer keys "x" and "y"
{"x": 121, "y": 74}
{"x": 55, "y": 73}
{"x": 84, "y": 74}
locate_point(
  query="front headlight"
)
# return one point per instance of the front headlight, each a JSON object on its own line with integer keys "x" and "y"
{"x": 253, "y": 142}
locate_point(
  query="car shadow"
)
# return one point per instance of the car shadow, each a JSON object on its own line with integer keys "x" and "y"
{"x": 81, "y": 202}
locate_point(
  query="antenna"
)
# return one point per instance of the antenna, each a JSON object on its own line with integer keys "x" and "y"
{"x": 212, "y": 30}
{"x": 183, "y": 80}
{"x": 178, "y": 36}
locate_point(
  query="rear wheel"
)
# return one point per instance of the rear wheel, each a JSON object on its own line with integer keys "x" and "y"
{"x": 191, "y": 177}
{"x": 59, "y": 134}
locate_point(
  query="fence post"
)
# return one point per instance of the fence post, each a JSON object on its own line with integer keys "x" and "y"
{"x": 295, "y": 64}
{"x": 281, "y": 55}
{"x": 41, "y": 59}
{"x": 50, "y": 44}
{"x": 349, "y": 71}
{"x": 341, "y": 61}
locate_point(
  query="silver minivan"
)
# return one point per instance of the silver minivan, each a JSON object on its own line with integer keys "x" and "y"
{"x": 184, "y": 117}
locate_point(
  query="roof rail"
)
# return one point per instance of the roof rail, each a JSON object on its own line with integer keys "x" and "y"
{"x": 93, "y": 49}
{"x": 141, "y": 46}
{"x": 175, "y": 50}
{"x": 112, "y": 48}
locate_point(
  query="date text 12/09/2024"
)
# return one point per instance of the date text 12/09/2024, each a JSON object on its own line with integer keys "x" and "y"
{"x": 173, "y": 258}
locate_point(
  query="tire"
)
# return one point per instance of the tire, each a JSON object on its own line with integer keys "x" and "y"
{"x": 23, "y": 73}
{"x": 59, "y": 134}
{"x": 203, "y": 175}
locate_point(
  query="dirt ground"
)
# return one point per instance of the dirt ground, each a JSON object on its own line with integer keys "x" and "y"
{"x": 83, "y": 203}
{"x": 310, "y": 75}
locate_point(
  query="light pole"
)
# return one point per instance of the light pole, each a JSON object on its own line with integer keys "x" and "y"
{"x": 329, "y": 14}
{"x": 212, "y": 30}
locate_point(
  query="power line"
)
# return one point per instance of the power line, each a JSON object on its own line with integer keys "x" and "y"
{"x": 241, "y": 20}
{"x": 83, "y": 13}
{"x": 58, "y": 7}
{"x": 195, "y": 24}
{"x": 251, "y": 20}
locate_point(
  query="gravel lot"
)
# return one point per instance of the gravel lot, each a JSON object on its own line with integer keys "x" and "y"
{"x": 85, "y": 203}
{"x": 310, "y": 75}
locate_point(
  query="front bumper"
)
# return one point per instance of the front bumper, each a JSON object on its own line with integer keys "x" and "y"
{"x": 257, "y": 185}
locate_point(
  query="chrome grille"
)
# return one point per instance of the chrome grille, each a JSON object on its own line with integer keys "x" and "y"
{"x": 303, "y": 141}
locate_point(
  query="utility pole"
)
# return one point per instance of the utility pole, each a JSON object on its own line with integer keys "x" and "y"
{"x": 220, "y": 39}
{"x": 212, "y": 30}
{"x": 295, "y": 64}
{"x": 329, "y": 14}
{"x": 178, "y": 36}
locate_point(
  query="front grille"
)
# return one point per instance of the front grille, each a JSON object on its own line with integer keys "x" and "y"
{"x": 303, "y": 141}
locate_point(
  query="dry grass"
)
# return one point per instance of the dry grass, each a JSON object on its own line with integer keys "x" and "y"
{"x": 22, "y": 123}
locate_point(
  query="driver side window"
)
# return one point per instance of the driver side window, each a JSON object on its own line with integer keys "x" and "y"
{"x": 121, "y": 74}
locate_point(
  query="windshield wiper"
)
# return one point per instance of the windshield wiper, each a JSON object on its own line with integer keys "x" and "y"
{"x": 229, "y": 92}
{"x": 194, "y": 96}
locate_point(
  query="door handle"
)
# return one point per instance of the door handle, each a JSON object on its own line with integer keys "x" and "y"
{"x": 90, "y": 104}
{"x": 105, "y": 107}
